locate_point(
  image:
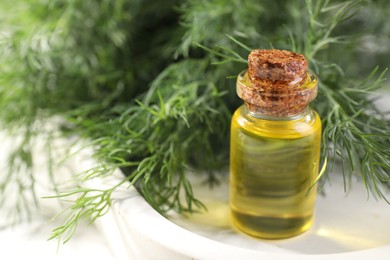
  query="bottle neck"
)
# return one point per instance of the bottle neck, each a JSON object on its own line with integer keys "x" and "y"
{"x": 259, "y": 113}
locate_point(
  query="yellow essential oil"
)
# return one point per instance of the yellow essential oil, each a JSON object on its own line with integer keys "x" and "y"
{"x": 274, "y": 159}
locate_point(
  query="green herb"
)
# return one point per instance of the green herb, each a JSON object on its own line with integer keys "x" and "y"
{"x": 127, "y": 77}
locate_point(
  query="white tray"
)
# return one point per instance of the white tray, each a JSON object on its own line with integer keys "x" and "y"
{"x": 346, "y": 225}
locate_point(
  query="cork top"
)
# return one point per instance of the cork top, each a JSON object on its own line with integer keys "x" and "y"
{"x": 276, "y": 68}
{"x": 277, "y": 83}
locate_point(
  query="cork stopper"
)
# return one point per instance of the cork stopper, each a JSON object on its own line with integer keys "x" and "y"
{"x": 277, "y": 83}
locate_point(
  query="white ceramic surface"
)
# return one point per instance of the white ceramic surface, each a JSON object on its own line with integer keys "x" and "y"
{"x": 346, "y": 225}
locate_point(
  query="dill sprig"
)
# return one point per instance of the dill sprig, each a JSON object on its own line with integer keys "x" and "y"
{"x": 66, "y": 58}
{"x": 355, "y": 132}
{"x": 140, "y": 140}
{"x": 90, "y": 204}
{"x": 127, "y": 77}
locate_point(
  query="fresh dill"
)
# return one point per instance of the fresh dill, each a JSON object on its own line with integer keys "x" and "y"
{"x": 127, "y": 77}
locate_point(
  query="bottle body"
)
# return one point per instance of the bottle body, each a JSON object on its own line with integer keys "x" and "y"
{"x": 273, "y": 165}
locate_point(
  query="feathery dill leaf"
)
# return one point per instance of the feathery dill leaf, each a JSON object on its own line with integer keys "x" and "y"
{"x": 354, "y": 130}
{"x": 126, "y": 76}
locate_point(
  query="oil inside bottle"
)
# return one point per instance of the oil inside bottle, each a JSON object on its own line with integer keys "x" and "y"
{"x": 273, "y": 166}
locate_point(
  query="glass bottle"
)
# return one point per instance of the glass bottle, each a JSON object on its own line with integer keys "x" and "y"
{"x": 275, "y": 146}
